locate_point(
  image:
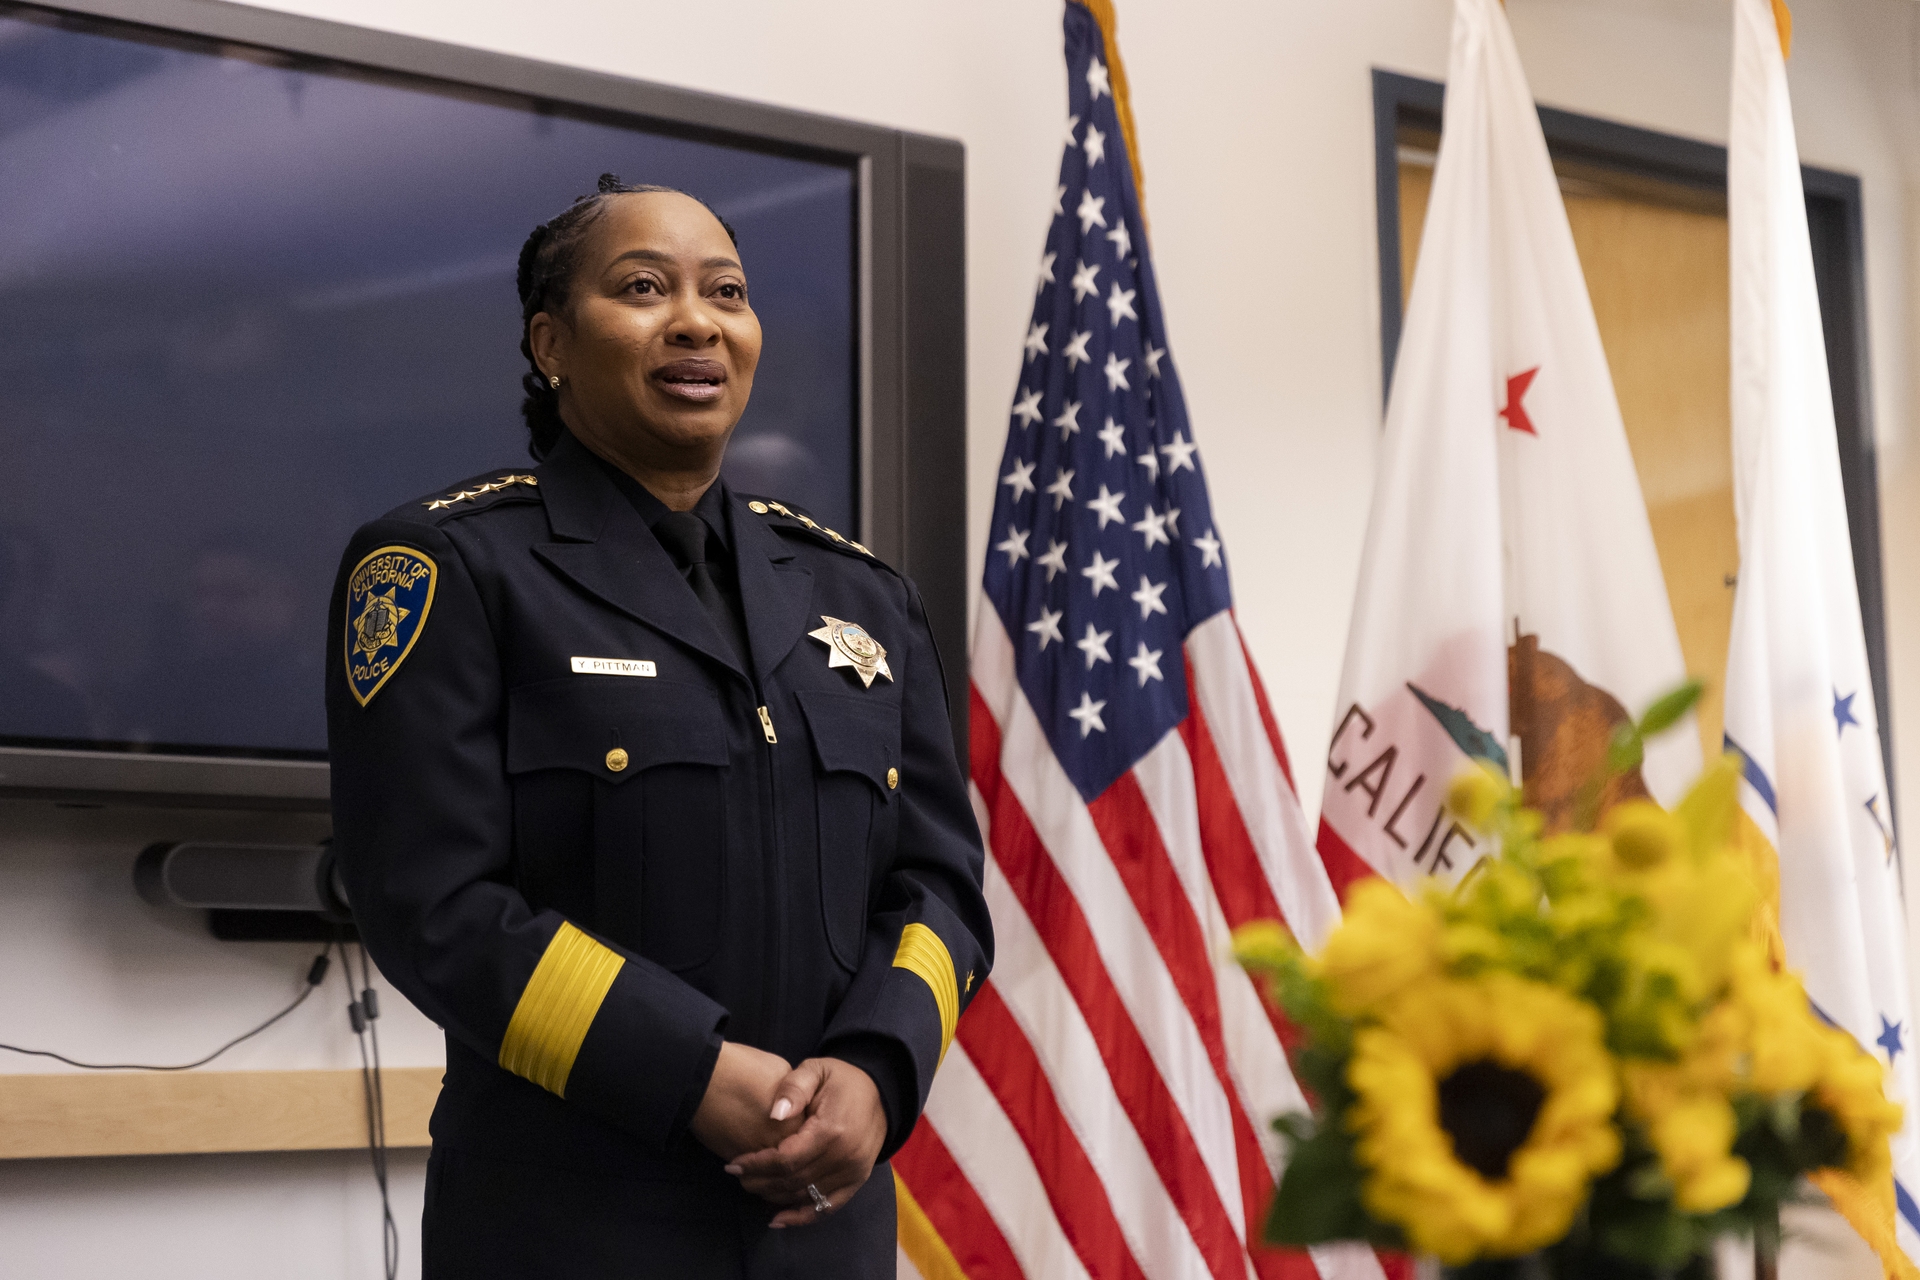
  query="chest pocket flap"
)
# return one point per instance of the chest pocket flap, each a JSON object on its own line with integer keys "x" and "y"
{"x": 585, "y": 722}
{"x": 855, "y": 734}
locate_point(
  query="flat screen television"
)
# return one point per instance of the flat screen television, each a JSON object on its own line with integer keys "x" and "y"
{"x": 257, "y": 287}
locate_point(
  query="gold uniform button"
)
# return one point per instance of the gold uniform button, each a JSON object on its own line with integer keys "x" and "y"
{"x": 893, "y": 779}
{"x": 616, "y": 759}
{"x": 758, "y": 508}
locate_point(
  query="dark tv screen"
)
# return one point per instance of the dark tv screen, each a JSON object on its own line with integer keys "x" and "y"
{"x": 248, "y": 302}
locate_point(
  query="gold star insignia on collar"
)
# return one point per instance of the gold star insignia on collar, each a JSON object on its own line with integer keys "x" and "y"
{"x": 849, "y": 645}
{"x": 467, "y": 495}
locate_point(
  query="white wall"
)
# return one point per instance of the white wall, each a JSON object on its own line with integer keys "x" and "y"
{"x": 97, "y": 974}
{"x": 289, "y": 1216}
{"x": 1256, "y": 134}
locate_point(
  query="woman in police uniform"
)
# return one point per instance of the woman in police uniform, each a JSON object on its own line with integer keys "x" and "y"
{"x": 645, "y": 791}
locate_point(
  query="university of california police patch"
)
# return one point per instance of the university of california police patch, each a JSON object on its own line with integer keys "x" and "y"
{"x": 389, "y": 594}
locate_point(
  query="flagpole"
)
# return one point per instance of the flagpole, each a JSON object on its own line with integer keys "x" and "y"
{"x": 1766, "y": 1249}
{"x": 1766, "y": 1236}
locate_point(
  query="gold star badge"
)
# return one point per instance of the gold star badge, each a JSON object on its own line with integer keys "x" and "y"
{"x": 379, "y": 623}
{"x": 849, "y": 645}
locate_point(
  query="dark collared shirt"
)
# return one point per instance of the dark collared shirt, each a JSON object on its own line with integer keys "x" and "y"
{"x": 712, "y": 510}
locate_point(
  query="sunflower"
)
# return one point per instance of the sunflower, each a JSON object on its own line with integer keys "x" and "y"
{"x": 1483, "y": 1111}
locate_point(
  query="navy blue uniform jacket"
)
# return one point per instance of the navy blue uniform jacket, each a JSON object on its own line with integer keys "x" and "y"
{"x": 589, "y": 842}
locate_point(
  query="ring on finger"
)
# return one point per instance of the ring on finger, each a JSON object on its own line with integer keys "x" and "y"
{"x": 821, "y": 1205}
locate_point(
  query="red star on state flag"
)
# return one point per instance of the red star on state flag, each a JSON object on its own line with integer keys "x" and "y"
{"x": 1516, "y": 413}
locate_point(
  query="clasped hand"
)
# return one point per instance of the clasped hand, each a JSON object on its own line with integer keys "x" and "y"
{"x": 781, "y": 1129}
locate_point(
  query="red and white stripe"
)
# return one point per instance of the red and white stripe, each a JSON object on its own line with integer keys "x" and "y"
{"x": 1105, "y": 1109}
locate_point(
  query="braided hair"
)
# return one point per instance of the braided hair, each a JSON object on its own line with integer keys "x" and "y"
{"x": 548, "y": 261}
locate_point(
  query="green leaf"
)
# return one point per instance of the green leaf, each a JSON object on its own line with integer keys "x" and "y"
{"x": 1296, "y": 1127}
{"x": 1625, "y": 750}
{"x": 1648, "y": 1182}
{"x": 1668, "y": 709}
{"x": 1784, "y": 1116}
{"x": 1659, "y": 1236}
{"x": 1319, "y": 1195}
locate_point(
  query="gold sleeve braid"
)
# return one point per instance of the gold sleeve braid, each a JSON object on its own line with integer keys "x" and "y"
{"x": 556, "y": 1008}
{"x": 922, "y": 954}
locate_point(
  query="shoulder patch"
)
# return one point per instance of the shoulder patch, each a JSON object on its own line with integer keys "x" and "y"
{"x": 389, "y": 594}
{"x": 480, "y": 490}
{"x": 766, "y": 506}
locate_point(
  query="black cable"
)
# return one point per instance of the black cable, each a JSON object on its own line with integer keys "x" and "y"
{"x": 370, "y": 1002}
{"x": 315, "y": 974}
{"x": 363, "y": 1010}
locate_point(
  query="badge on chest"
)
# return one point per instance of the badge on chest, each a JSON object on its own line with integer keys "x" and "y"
{"x": 849, "y": 645}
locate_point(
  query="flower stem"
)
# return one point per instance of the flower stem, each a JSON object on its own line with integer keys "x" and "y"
{"x": 1766, "y": 1246}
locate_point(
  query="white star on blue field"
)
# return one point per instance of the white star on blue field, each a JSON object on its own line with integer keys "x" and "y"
{"x": 1100, "y": 468}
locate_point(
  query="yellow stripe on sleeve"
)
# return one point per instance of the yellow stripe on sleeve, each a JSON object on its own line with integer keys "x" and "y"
{"x": 923, "y": 954}
{"x": 919, "y": 1240}
{"x": 559, "y": 1003}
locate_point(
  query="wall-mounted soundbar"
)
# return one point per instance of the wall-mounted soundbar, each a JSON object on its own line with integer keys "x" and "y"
{"x": 213, "y": 876}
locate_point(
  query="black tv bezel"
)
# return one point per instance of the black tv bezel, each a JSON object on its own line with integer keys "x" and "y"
{"x": 910, "y": 377}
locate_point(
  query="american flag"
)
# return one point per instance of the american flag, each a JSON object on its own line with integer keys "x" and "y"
{"x": 1104, "y": 1109}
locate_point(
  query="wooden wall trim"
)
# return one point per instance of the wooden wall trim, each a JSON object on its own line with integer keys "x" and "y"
{"x": 154, "y": 1113}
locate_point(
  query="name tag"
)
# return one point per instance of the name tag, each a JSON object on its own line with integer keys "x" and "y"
{"x": 612, "y": 667}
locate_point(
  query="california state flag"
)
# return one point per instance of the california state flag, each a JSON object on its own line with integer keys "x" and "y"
{"x": 1510, "y": 604}
{"x": 1800, "y": 705}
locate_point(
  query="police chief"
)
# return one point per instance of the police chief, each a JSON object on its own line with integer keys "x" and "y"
{"x": 645, "y": 791}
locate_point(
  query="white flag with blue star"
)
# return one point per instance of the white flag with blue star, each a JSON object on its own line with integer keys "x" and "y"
{"x": 1800, "y": 706}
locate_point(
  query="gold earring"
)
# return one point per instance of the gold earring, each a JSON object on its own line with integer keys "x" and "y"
{"x": 554, "y": 382}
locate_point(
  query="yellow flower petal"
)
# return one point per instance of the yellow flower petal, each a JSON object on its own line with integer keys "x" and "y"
{"x": 1714, "y": 1187}
{"x": 1476, "y": 793}
{"x": 1385, "y": 942}
{"x": 1644, "y": 835}
{"x": 1264, "y": 944}
{"x": 1709, "y": 808}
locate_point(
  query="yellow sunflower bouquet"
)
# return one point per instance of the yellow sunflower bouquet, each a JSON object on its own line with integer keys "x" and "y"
{"x": 1585, "y": 1051}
